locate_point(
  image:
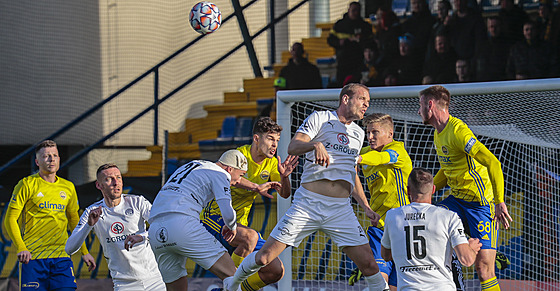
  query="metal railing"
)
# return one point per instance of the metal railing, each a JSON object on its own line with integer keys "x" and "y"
{"x": 157, "y": 100}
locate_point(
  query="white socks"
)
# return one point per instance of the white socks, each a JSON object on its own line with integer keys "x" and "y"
{"x": 376, "y": 282}
{"x": 247, "y": 268}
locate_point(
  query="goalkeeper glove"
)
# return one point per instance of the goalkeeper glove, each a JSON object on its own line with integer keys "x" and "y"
{"x": 355, "y": 276}
{"x": 502, "y": 262}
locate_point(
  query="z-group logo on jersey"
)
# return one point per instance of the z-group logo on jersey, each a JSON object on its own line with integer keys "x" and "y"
{"x": 342, "y": 138}
{"x": 117, "y": 227}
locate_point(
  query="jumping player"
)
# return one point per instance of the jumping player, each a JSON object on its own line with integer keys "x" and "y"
{"x": 262, "y": 167}
{"x": 331, "y": 142}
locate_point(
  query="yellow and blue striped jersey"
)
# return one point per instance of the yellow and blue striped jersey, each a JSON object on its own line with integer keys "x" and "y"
{"x": 456, "y": 145}
{"x": 45, "y": 209}
{"x": 387, "y": 182}
{"x": 242, "y": 199}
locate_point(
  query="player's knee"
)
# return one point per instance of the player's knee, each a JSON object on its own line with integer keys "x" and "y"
{"x": 369, "y": 267}
{"x": 273, "y": 272}
{"x": 248, "y": 238}
{"x": 485, "y": 270}
{"x": 263, "y": 258}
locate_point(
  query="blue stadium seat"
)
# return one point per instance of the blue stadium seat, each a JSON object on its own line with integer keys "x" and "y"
{"x": 228, "y": 127}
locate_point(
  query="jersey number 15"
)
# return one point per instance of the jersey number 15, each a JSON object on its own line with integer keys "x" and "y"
{"x": 415, "y": 241}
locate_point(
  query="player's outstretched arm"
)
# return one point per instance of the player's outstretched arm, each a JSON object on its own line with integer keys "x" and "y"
{"x": 466, "y": 253}
{"x": 486, "y": 158}
{"x": 301, "y": 143}
{"x": 262, "y": 189}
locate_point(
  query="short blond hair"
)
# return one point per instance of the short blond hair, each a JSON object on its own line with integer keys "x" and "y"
{"x": 382, "y": 118}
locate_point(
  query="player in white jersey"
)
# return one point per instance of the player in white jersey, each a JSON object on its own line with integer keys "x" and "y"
{"x": 420, "y": 238}
{"x": 331, "y": 142}
{"x": 175, "y": 230}
{"x": 119, "y": 222}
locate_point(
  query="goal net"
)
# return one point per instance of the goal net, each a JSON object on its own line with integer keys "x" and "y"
{"x": 517, "y": 120}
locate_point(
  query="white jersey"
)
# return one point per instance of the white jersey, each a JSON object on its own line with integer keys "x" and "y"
{"x": 421, "y": 237}
{"x": 190, "y": 188}
{"x": 114, "y": 225}
{"x": 342, "y": 142}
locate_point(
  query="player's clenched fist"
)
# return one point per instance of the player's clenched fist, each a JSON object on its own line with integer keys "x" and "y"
{"x": 94, "y": 216}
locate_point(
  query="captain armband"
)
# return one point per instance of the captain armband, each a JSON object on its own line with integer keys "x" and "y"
{"x": 393, "y": 156}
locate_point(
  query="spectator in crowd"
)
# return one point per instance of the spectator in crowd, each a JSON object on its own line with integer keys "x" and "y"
{"x": 463, "y": 71}
{"x": 348, "y": 37}
{"x": 466, "y": 29}
{"x": 300, "y": 73}
{"x": 387, "y": 34}
{"x": 440, "y": 68}
{"x": 420, "y": 24}
{"x": 408, "y": 65}
{"x": 389, "y": 78}
{"x": 545, "y": 20}
{"x": 492, "y": 54}
{"x": 370, "y": 71}
{"x": 513, "y": 17}
{"x": 441, "y": 25}
{"x": 532, "y": 58}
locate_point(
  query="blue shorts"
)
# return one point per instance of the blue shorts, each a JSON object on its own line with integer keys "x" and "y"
{"x": 47, "y": 274}
{"x": 476, "y": 218}
{"x": 214, "y": 224}
{"x": 388, "y": 268}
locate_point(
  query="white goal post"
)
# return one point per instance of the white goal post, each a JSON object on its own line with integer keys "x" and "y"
{"x": 519, "y": 121}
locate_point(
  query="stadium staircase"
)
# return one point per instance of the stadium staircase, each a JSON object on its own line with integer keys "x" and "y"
{"x": 256, "y": 99}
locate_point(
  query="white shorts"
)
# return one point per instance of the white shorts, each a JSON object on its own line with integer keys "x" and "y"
{"x": 310, "y": 212}
{"x": 147, "y": 284}
{"x": 175, "y": 237}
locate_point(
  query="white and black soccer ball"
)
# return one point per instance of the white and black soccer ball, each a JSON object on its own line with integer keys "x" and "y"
{"x": 205, "y": 17}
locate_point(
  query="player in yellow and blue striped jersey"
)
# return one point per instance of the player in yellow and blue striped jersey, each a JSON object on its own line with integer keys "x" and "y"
{"x": 386, "y": 166}
{"x": 474, "y": 175}
{"x": 47, "y": 207}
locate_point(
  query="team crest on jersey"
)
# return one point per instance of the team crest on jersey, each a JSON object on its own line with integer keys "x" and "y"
{"x": 162, "y": 235}
{"x": 343, "y": 138}
{"x": 129, "y": 211}
{"x": 117, "y": 227}
{"x": 444, "y": 150}
{"x": 265, "y": 175}
{"x": 62, "y": 194}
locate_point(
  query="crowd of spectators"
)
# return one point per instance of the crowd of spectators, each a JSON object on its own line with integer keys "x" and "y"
{"x": 457, "y": 44}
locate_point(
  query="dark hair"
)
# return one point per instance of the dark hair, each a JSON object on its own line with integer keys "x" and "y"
{"x": 105, "y": 167}
{"x": 350, "y": 90}
{"x": 45, "y": 144}
{"x": 264, "y": 125}
{"x": 438, "y": 93}
{"x": 420, "y": 181}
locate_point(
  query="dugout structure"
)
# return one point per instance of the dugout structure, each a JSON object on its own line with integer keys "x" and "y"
{"x": 517, "y": 120}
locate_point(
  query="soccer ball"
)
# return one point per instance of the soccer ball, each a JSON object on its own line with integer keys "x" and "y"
{"x": 205, "y": 17}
